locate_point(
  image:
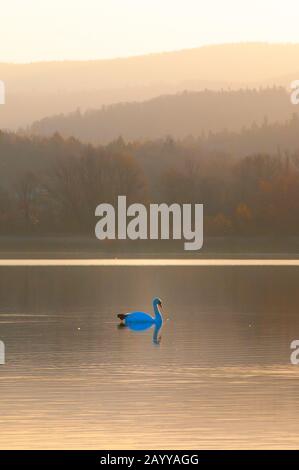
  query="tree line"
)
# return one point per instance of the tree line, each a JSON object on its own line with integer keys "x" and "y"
{"x": 53, "y": 185}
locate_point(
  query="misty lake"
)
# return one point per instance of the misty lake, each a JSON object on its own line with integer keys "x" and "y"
{"x": 220, "y": 378}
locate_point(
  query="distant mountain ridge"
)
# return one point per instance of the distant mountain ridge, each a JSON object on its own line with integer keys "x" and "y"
{"x": 38, "y": 90}
{"x": 180, "y": 115}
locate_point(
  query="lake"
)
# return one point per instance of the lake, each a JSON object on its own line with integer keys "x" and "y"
{"x": 220, "y": 378}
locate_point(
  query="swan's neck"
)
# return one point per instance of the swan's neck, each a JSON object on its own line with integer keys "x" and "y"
{"x": 158, "y": 315}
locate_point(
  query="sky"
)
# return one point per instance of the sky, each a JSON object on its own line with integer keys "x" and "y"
{"x": 35, "y": 30}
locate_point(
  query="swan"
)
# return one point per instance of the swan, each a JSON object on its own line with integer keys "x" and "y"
{"x": 143, "y": 321}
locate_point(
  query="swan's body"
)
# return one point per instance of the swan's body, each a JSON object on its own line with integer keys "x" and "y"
{"x": 141, "y": 320}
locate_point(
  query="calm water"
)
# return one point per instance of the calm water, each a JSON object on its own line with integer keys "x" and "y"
{"x": 220, "y": 378}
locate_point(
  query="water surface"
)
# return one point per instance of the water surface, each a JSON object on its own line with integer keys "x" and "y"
{"x": 220, "y": 378}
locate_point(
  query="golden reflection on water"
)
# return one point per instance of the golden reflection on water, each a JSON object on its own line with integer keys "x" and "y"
{"x": 149, "y": 262}
{"x": 220, "y": 378}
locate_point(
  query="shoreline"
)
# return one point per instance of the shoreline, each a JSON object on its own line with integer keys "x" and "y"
{"x": 84, "y": 248}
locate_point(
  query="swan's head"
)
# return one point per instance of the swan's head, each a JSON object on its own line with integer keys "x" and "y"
{"x": 157, "y": 302}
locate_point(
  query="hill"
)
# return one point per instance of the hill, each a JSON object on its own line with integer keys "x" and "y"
{"x": 41, "y": 89}
{"x": 180, "y": 115}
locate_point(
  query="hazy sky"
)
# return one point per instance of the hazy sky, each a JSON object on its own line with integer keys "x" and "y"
{"x": 32, "y": 30}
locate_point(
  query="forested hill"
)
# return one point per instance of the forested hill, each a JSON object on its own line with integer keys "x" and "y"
{"x": 41, "y": 89}
{"x": 248, "y": 180}
{"x": 179, "y": 115}
{"x": 20, "y": 153}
